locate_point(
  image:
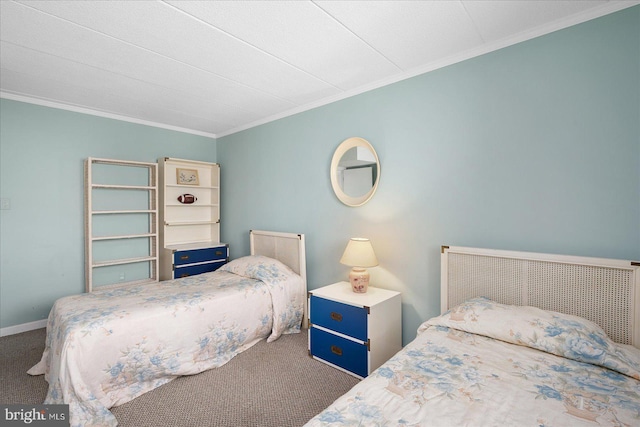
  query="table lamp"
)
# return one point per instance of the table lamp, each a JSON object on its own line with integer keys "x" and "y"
{"x": 359, "y": 255}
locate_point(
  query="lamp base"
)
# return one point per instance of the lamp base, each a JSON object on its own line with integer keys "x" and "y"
{"x": 359, "y": 278}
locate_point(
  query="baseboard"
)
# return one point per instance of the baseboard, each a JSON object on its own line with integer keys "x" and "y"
{"x": 25, "y": 327}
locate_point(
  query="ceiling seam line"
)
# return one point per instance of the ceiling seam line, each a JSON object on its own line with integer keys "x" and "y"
{"x": 159, "y": 54}
{"x": 252, "y": 46}
{"x": 109, "y": 71}
{"x": 475, "y": 25}
{"x": 357, "y": 36}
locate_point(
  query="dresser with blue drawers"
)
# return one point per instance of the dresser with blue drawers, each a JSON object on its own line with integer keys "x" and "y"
{"x": 191, "y": 259}
{"x": 353, "y": 332}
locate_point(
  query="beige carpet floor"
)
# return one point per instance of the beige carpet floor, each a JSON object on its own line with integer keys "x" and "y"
{"x": 269, "y": 385}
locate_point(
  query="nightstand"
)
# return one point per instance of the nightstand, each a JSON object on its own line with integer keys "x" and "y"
{"x": 355, "y": 333}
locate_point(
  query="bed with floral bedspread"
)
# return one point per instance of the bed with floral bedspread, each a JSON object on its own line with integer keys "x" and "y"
{"x": 107, "y": 347}
{"x": 488, "y": 364}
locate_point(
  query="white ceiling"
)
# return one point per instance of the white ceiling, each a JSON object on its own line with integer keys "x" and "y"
{"x": 216, "y": 67}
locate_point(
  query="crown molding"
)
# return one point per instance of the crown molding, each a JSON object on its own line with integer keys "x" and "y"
{"x": 92, "y": 112}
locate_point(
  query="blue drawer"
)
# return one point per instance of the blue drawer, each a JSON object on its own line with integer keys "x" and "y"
{"x": 344, "y": 318}
{"x": 339, "y": 351}
{"x": 200, "y": 255}
{"x": 192, "y": 270}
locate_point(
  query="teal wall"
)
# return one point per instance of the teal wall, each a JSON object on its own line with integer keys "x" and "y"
{"x": 534, "y": 147}
{"x": 42, "y": 151}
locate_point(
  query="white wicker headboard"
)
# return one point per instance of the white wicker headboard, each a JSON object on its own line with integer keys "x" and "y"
{"x": 288, "y": 248}
{"x": 605, "y": 291}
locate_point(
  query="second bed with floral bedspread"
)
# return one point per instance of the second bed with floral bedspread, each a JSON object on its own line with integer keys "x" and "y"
{"x": 488, "y": 364}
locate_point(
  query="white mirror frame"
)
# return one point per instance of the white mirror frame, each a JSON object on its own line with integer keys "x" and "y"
{"x": 345, "y": 146}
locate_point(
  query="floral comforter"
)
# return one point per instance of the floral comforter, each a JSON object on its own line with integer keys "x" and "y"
{"x": 107, "y": 347}
{"x": 488, "y": 364}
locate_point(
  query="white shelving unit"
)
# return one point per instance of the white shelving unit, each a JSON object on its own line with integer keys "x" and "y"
{"x": 121, "y": 223}
{"x": 189, "y": 227}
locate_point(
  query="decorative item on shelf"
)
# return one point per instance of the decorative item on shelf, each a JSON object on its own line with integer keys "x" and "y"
{"x": 359, "y": 255}
{"x": 187, "y": 199}
{"x": 187, "y": 176}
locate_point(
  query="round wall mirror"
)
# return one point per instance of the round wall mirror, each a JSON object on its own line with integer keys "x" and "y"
{"x": 355, "y": 171}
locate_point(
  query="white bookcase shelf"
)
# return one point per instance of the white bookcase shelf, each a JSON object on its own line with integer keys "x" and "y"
{"x": 121, "y": 223}
{"x": 123, "y": 261}
{"x": 188, "y": 227}
{"x": 123, "y": 236}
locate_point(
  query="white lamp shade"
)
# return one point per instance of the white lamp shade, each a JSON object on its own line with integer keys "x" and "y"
{"x": 359, "y": 253}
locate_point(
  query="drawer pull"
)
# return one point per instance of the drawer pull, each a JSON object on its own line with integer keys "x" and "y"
{"x": 336, "y": 316}
{"x": 184, "y": 275}
{"x": 218, "y": 252}
{"x": 184, "y": 257}
{"x": 336, "y": 350}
